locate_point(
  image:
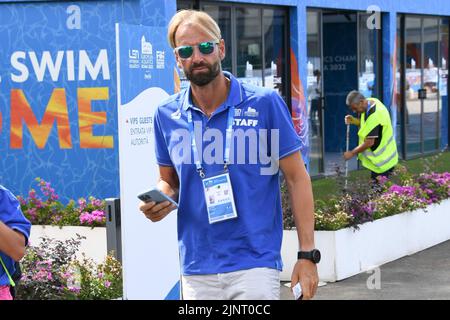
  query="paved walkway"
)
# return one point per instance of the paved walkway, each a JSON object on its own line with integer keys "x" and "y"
{"x": 424, "y": 275}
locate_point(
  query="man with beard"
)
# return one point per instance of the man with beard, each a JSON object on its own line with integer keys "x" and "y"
{"x": 229, "y": 206}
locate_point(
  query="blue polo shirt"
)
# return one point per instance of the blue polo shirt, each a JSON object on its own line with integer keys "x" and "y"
{"x": 11, "y": 215}
{"x": 253, "y": 239}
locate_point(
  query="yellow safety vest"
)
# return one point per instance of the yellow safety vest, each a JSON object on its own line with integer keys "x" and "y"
{"x": 385, "y": 156}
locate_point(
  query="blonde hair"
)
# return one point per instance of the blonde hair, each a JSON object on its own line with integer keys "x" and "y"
{"x": 194, "y": 17}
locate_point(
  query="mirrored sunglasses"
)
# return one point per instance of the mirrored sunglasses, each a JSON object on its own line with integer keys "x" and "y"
{"x": 205, "y": 48}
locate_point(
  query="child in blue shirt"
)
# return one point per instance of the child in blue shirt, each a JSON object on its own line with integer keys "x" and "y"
{"x": 14, "y": 234}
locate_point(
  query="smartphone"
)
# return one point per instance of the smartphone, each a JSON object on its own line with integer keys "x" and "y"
{"x": 155, "y": 195}
{"x": 297, "y": 291}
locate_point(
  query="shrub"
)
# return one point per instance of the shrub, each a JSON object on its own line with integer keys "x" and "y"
{"x": 389, "y": 204}
{"x": 46, "y": 270}
{"x": 100, "y": 282}
{"x": 288, "y": 219}
{"x": 43, "y": 207}
{"x": 51, "y": 272}
{"x": 329, "y": 216}
{"x": 361, "y": 202}
{"x": 435, "y": 186}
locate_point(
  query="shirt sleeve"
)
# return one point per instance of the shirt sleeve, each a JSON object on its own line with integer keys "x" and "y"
{"x": 11, "y": 214}
{"x": 161, "y": 149}
{"x": 375, "y": 133}
{"x": 280, "y": 118}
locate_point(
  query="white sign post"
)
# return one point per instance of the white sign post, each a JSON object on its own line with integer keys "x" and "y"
{"x": 144, "y": 78}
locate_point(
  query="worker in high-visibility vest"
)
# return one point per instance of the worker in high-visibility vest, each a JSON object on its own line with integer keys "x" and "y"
{"x": 377, "y": 149}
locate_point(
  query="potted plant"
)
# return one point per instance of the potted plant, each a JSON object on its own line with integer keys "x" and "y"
{"x": 51, "y": 271}
{"x": 51, "y": 218}
{"x": 364, "y": 227}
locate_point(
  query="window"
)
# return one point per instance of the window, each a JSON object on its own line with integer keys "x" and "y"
{"x": 369, "y": 54}
{"x": 222, "y": 15}
{"x": 255, "y": 38}
{"x": 424, "y": 84}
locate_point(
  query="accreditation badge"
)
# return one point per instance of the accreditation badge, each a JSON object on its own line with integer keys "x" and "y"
{"x": 219, "y": 198}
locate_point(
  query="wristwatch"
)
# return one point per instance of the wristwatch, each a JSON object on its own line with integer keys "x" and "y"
{"x": 313, "y": 255}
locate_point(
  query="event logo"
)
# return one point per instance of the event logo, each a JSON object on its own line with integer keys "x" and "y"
{"x": 144, "y": 58}
{"x": 146, "y": 47}
{"x": 251, "y": 112}
{"x": 133, "y": 54}
{"x": 160, "y": 59}
{"x": 146, "y": 54}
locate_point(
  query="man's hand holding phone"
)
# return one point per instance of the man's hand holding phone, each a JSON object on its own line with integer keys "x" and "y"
{"x": 297, "y": 291}
{"x": 156, "y": 205}
{"x": 307, "y": 271}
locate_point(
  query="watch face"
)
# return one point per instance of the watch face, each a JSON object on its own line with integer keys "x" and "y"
{"x": 316, "y": 256}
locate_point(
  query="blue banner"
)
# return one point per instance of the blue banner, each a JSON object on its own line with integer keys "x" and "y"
{"x": 58, "y": 117}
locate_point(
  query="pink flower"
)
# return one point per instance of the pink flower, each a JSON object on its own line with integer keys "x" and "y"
{"x": 402, "y": 190}
{"x": 81, "y": 204}
{"x": 85, "y": 217}
{"x": 107, "y": 284}
{"x": 382, "y": 179}
{"x": 74, "y": 289}
{"x": 98, "y": 213}
{"x": 91, "y": 217}
{"x": 32, "y": 213}
{"x": 22, "y": 200}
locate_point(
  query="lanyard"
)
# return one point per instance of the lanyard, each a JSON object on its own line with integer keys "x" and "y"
{"x": 228, "y": 137}
{"x": 11, "y": 281}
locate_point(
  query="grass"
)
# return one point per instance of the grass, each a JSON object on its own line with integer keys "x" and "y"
{"x": 327, "y": 187}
